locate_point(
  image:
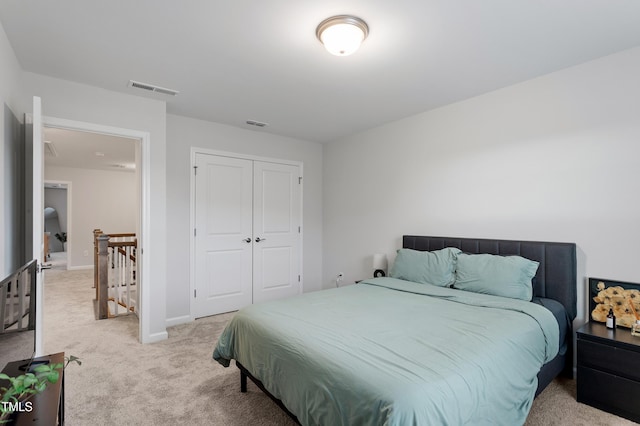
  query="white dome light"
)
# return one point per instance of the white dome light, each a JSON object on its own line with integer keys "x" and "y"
{"x": 342, "y": 35}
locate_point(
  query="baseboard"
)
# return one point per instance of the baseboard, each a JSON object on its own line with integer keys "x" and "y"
{"x": 79, "y": 268}
{"x": 178, "y": 320}
{"x": 156, "y": 337}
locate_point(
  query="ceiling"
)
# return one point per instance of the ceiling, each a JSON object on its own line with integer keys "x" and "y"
{"x": 85, "y": 150}
{"x": 241, "y": 60}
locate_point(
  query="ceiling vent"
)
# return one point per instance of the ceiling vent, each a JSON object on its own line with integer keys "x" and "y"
{"x": 152, "y": 88}
{"x": 256, "y": 123}
{"x": 49, "y": 149}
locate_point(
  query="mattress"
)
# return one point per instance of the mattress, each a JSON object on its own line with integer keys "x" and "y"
{"x": 393, "y": 352}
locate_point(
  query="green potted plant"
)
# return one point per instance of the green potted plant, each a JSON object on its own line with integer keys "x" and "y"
{"x": 23, "y": 387}
{"x": 62, "y": 237}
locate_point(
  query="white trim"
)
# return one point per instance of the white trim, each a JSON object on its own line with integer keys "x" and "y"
{"x": 195, "y": 150}
{"x": 178, "y": 320}
{"x": 156, "y": 337}
{"x": 192, "y": 223}
{"x": 145, "y": 249}
{"x": 79, "y": 268}
{"x": 69, "y": 217}
{"x": 192, "y": 239}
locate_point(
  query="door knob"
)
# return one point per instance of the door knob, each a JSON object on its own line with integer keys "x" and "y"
{"x": 260, "y": 239}
{"x": 247, "y": 240}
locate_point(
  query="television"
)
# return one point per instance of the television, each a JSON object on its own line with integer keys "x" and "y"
{"x": 18, "y": 315}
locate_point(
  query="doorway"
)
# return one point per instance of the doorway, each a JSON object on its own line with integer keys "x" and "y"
{"x": 102, "y": 169}
{"x": 57, "y": 196}
{"x": 135, "y": 165}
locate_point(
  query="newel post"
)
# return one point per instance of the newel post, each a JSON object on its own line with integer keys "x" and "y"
{"x": 96, "y": 232}
{"x": 103, "y": 276}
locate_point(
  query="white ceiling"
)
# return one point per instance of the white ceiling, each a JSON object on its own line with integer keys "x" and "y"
{"x": 259, "y": 60}
{"x": 87, "y": 150}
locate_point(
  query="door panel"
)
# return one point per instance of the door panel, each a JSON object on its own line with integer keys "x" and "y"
{"x": 225, "y": 200}
{"x": 276, "y": 218}
{"x": 222, "y": 273}
{"x": 223, "y": 221}
{"x": 276, "y": 267}
{"x": 276, "y": 200}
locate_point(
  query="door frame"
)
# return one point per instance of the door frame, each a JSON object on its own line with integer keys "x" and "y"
{"x": 192, "y": 217}
{"x": 145, "y": 249}
{"x": 68, "y": 184}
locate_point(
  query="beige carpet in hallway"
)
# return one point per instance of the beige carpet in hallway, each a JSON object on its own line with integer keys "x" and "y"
{"x": 175, "y": 382}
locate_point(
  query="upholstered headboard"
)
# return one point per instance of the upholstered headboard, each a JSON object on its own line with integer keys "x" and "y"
{"x": 556, "y": 276}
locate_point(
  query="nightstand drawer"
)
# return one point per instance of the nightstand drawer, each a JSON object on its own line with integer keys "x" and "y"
{"x": 609, "y": 358}
{"x": 608, "y": 392}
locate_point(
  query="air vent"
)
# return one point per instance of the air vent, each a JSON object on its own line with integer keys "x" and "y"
{"x": 49, "y": 149}
{"x": 256, "y": 123}
{"x": 152, "y": 88}
{"x": 126, "y": 166}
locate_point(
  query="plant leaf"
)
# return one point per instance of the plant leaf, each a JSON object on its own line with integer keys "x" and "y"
{"x": 53, "y": 376}
{"x": 30, "y": 381}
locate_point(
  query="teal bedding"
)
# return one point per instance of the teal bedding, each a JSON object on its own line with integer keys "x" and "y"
{"x": 394, "y": 352}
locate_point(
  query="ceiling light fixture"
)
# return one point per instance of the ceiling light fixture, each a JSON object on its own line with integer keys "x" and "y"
{"x": 342, "y": 34}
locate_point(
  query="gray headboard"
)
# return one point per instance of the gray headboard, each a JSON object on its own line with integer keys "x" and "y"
{"x": 556, "y": 276}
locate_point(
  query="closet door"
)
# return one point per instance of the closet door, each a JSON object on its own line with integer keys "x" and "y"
{"x": 223, "y": 234}
{"x": 276, "y": 231}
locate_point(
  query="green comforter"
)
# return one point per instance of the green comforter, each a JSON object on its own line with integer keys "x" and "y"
{"x": 393, "y": 352}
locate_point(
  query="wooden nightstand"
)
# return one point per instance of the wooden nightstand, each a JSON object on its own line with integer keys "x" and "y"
{"x": 48, "y": 406}
{"x": 608, "y": 375}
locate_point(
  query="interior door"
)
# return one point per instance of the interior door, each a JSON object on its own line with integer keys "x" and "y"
{"x": 276, "y": 226}
{"x": 35, "y": 143}
{"x": 223, "y": 234}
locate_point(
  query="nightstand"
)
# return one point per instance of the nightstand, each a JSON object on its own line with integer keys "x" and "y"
{"x": 47, "y": 406}
{"x": 608, "y": 375}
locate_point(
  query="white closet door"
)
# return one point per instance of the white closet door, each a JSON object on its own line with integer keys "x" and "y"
{"x": 223, "y": 235}
{"x": 276, "y": 232}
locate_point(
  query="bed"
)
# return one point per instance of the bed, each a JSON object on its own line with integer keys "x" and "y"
{"x": 393, "y": 351}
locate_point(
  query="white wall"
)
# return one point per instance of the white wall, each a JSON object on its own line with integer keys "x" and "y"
{"x": 10, "y": 101}
{"x": 73, "y": 101}
{"x": 184, "y": 133}
{"x": 555, "y": 159}
{"x": 100, "y": 199}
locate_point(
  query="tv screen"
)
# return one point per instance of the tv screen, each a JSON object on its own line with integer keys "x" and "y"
{"x": 17, "y": 315}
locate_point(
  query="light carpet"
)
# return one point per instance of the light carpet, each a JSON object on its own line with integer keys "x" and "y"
{"x": 122, "y": 382}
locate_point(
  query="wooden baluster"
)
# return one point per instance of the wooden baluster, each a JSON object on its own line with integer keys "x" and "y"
{"x": 132, "y": 278}
{"x": 121, "y": 272}
{"x": 127, "y": 277}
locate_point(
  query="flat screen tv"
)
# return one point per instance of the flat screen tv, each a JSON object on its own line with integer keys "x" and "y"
{"x": 18, "y": 315}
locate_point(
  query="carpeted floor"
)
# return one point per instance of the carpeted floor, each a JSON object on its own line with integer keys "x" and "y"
{"x": 176, "y": 382}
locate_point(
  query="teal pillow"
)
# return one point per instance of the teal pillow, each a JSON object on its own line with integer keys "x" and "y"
{"x": 506, "y": 276}
{"x": 426, "y": 267}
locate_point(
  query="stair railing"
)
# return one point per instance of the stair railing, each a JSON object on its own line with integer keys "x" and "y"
{"x": 115, "y": 274}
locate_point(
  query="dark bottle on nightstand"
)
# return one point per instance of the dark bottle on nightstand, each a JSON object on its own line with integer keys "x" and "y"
{"x": 611, "y": 319}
